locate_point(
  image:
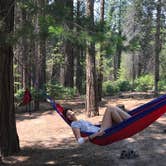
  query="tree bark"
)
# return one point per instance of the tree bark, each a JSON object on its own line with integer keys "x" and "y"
{"x": 91, "y": 90}
{"x": 157, "y": 46}
{"x": 37, "y": 66}
{"x": 24, "y": 52}
{"x": 68, "y": 48}
{"x": 117, "y": 57}
{"x": 69, "y": 64}
{"x": 79, "y": 70}
{"x": 79, "y": 53}
{"x": 100, "y": 73}
{"x": 9, "y": 141}
{"x": 42, "y": 79}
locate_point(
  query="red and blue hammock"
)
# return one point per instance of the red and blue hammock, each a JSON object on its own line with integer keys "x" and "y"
{"x": 142, "y": 117}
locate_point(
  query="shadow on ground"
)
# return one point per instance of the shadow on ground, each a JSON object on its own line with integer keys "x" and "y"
{"x": 46, "y": 140}
{"x": 150, "y": 144}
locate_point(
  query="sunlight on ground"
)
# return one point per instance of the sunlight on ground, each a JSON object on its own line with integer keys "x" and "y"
{"x": 131, "y": 140}
{"x": 51, "y": 162}
{"x": 15, "y": 159}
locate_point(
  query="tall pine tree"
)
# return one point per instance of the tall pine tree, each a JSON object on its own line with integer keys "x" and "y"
{"x": 9, "y": 142}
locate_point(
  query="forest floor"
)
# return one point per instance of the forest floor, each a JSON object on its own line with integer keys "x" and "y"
{"x": 46, "y": 140}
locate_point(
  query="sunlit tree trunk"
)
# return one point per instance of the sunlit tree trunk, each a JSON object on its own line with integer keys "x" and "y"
{"x": 91, "y": 90}
{"x": 117, "y": 57}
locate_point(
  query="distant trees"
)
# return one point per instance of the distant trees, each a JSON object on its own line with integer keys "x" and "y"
{"x": 66, "y": 36}
{"x": 144, "y": 21}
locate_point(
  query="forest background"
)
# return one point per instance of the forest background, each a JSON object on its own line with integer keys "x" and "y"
{"x": 98, "y": 48}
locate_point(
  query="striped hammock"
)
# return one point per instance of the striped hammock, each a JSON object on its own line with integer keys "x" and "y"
{"x": 142, "y": 117}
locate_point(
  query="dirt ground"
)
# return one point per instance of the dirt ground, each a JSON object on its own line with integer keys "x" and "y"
{"x": 46, "y": 140}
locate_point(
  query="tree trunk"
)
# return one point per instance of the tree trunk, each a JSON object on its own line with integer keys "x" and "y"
{"x": 68, "y": 48}
{"x": 17, "y": 50}
{"x": 91, "y": 90}
{"x": 79, "y": 69}
{"x": 78, "y": 53}
{"x": 24, "y": 51}
{"x": 100, "y": 74}
{"x": 69, "y": 64}
{"x": 117, "y": 57}
{"x": 157, "y": 46}
{"x": 42, "y": 54}
{"x": 9, "y": 141}
{"x": 37, "y": 59}
{"x": 42, "y": 79}
{"x": 55, "y": 75}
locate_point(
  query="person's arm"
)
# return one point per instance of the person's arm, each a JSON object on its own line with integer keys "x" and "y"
{"x": 100, "y": 133}
{"x": 77, "y": 134}
{"x": 82, "y": 140}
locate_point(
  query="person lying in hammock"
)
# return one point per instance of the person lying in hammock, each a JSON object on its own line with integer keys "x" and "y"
{"x": 112, "y": 115}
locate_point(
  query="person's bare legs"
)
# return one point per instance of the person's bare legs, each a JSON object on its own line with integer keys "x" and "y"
{"x": 124, "y": 115}
{"x": 107, "y": 120}
{"x": 113, "y": 114}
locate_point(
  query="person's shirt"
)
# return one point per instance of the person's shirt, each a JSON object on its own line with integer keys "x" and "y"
{"x": 85, "y": 126}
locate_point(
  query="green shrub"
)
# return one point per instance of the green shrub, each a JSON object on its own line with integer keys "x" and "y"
{"x": 39, "y": 95}
{"x": 123, "y": 85}
{"x": 58, "y": 91}
{"x": 19, "y": 95}
{"x": 162, "y": 85}
{"x": 144, "y": 83}
{"x": 110, "y": 88}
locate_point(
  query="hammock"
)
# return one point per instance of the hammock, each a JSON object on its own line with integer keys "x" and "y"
{"x": 142, "y": 117}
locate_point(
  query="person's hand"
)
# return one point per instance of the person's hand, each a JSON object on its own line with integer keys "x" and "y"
{"x": 100, "y": 133}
